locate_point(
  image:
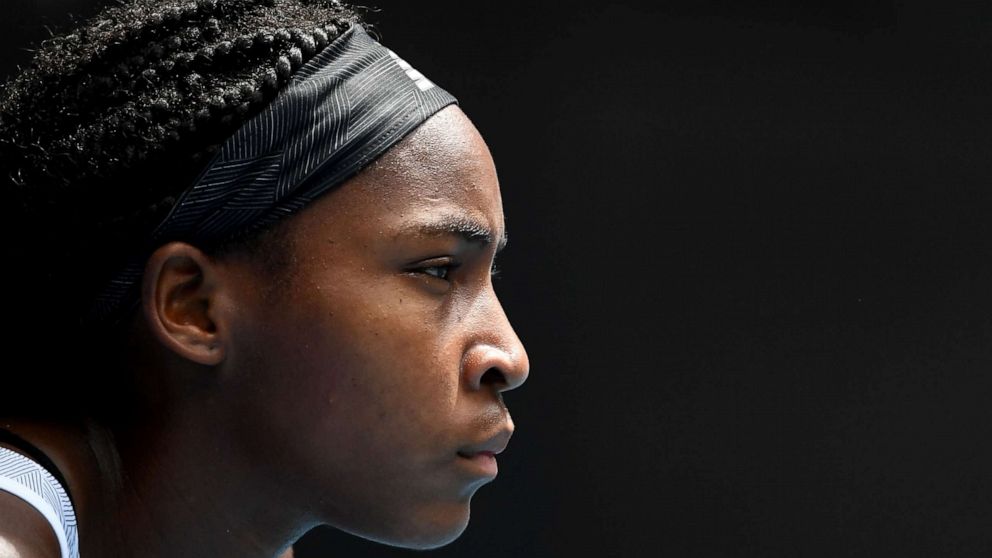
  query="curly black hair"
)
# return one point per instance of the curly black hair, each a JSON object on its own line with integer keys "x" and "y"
{"x": 111, "y": 121}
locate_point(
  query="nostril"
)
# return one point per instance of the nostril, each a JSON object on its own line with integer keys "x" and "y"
{"x": 493, "y": 376}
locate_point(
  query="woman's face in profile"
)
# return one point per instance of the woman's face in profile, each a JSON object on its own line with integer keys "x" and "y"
{"x": 371, "y": 377}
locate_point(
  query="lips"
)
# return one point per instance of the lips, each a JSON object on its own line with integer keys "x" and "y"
{"x": 480, "y": 463}
{"x": 491, "y": 446}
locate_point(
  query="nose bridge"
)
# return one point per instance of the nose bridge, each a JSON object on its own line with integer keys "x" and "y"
{"x": 495, "y": 346}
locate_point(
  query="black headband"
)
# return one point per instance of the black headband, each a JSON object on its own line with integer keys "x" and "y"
{"x": 342, "y": 109}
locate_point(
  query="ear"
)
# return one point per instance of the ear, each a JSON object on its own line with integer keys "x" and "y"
{"x": 183, "y": 291}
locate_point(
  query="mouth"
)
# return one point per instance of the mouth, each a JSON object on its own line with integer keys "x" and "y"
{"x": 493, "y": 445}
{"x": 471, "y": 455}
{"x": 481, "y": 463}
{"x": 481, "y": 457}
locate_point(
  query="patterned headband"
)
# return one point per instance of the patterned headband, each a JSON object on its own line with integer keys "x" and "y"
{"x": 341, "y": 110}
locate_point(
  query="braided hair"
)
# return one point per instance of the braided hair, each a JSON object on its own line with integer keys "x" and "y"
{"x": 107, "y": 126}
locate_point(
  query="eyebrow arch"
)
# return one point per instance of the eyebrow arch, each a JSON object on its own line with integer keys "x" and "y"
{"x": 469, "y": 229}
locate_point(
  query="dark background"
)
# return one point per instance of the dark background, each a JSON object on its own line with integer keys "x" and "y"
{"x": 751, "y": 259}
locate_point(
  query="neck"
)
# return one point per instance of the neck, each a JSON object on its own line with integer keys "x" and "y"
{"x": 189, "y": 491}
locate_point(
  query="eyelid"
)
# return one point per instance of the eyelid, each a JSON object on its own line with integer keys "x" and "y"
{"x": 451, "y": 263}
{"x": 439, "y": 262}
{"x": 435, "y": 261}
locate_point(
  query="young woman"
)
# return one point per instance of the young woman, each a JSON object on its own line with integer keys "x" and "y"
{"x": 250, "y": 256}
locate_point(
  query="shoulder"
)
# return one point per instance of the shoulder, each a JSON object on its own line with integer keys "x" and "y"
{"x": 24, "y": 532}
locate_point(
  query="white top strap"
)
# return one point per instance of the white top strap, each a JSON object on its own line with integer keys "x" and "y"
{"x": 29, "y": 481}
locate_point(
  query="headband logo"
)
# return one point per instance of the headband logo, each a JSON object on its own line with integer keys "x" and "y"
{"x": 418, "y": 78}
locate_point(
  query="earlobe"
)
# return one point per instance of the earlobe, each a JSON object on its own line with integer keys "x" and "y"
{"x": 180, "y": 302}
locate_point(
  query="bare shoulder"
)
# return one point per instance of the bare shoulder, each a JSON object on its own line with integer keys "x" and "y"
{"x": 24, "y": 532}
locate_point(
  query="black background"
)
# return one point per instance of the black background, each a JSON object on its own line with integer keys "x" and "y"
{"x": 750, "y": 258}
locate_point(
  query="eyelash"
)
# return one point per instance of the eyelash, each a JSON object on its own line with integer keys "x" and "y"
{"x": 493, "y": 271}
{"x": 447, "y": 267}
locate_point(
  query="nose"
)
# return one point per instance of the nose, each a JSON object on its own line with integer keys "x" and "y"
{"x": 495, "y": 355}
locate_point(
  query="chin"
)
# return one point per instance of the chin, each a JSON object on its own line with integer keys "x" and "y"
{"x": 436, "y": 540}
{"x": 427, "y": 531}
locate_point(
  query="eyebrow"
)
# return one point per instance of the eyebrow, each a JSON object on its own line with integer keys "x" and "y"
{"x": 469, "y": 229}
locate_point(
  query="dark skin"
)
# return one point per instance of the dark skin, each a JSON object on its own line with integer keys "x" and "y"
{"x": 365, "y": 393}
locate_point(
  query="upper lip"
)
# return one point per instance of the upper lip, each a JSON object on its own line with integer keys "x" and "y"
{"x": 494, "y": 444}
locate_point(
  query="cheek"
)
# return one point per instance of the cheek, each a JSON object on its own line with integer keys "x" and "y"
{"x": 395, "y": 383}
{"x": 370, "y": 373}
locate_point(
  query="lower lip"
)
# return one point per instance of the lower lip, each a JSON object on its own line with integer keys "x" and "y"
{"x": 483, "y": 463}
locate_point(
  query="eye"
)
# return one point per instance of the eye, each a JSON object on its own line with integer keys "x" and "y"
{"x": 439, "y": 269}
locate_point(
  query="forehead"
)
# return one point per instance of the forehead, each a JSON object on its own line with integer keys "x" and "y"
{"x": 442, "y": 168}
{"x": 445, "y": 160}
{"x": 442, "y": 171}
